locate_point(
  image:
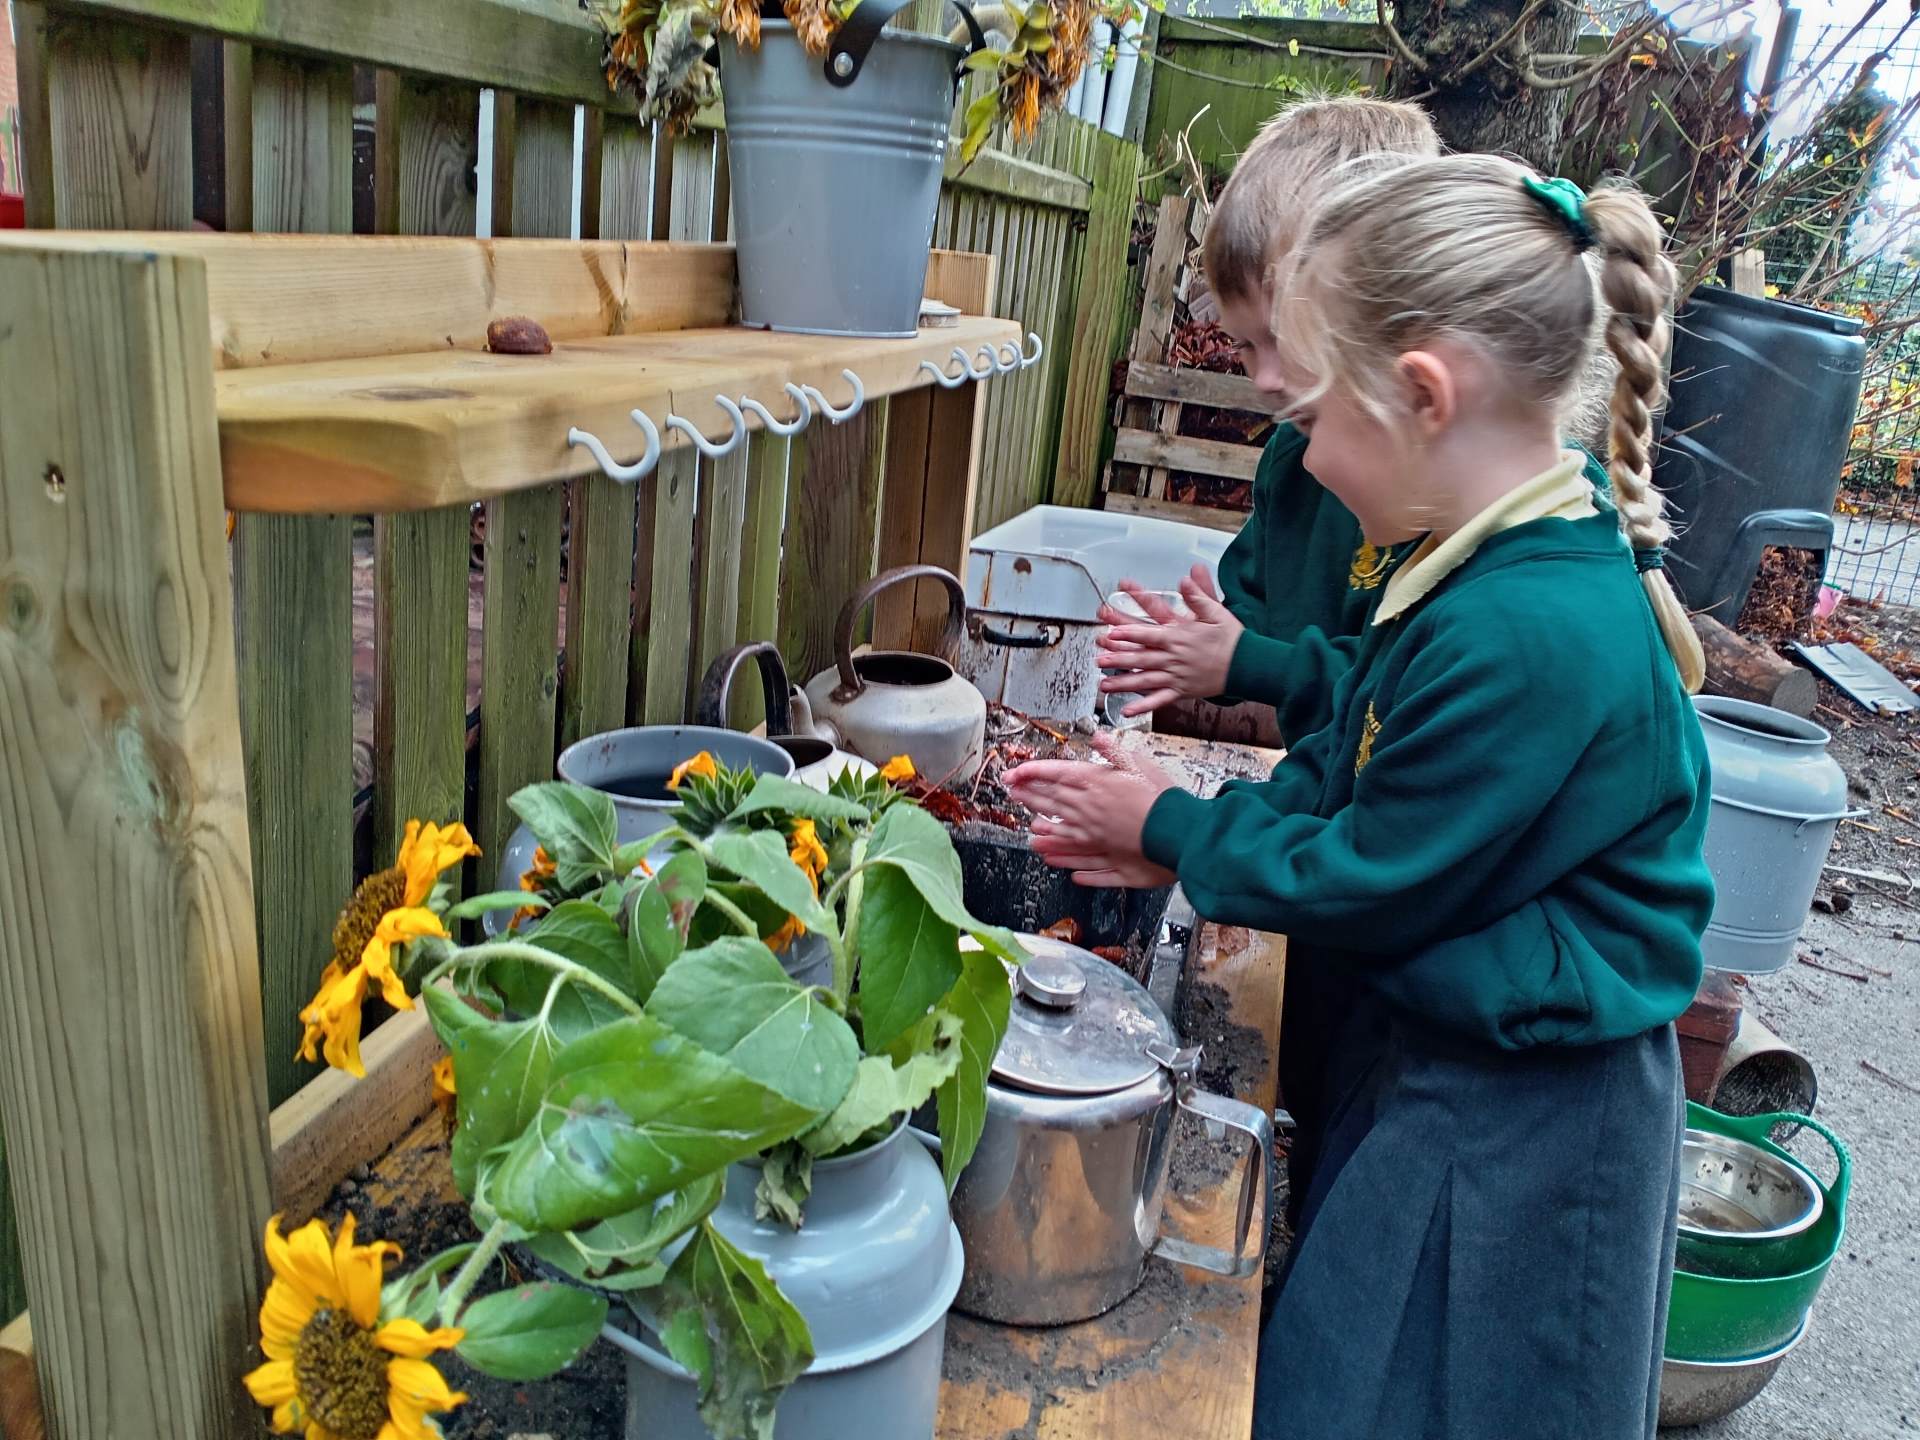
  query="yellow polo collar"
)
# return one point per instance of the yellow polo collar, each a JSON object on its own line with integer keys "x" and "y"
{"x": 1561, "y": 493}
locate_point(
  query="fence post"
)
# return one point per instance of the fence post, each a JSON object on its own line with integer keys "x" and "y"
{"x": 1096, "y": 318}
{"x": 132, "y": 1077}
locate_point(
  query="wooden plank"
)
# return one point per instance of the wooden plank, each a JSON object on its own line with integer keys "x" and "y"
{"x": 120, "y": 118}
{"x": 909, "y": 441}
{"x": 1154, "y": 333}
{"x": 1050, "y": 324}
{"x": 335, "y": 1122}
{"x": 424, "y": 133}
{"x": 760, "y": 545}
{"x": 132, "y": 1085}
{"x": 1183, "y": 452}
{"x": 1103, "y": 272}
{"x": 289, "y": 128}
{"x": 995, "y": 173}
{"x": 599, "y": 583}
{"x": 30, "y": 26}
{"x": 1749, "y": 271}
{"x": 546, "y": 50}
{"x": 626, "y": 186}
{"x": 720, "y": 533}
{"x": 834, "y": 508}
{"x": 1197, "y": 387}
{"x": 281, "y": 300}
{"x": 1210, "y": 516}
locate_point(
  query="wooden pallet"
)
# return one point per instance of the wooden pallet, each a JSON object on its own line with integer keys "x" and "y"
{"x": 1148, "y": 446}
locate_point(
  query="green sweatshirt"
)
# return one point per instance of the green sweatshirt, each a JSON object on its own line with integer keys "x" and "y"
{"x": 1302, "y": 579}
{"x": 1500, "y": 828}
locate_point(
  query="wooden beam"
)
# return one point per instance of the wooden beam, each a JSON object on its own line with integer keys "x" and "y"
{"x": 996, "y": 173}
{"x": 293, "y": 299}
{"x": 1183, "y": 452}
{"x": 132, "y": 1083}
{"x": 1150, "y": 381}
{"x": 1212, "y": 517}
{"x": 1103, "y": 276}
{"x": 548, "y": 50}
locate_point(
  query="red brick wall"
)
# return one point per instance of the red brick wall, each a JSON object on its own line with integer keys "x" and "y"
{"x": 9, "y": 106}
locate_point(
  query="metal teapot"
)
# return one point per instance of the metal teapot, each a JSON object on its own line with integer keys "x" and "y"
{"x": 816, "y": 760}
{"x": 896, "y": 702}
{"x": 1062, "y": 1201}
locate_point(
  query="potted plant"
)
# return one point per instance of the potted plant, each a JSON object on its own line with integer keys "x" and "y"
{"x": 652, "y": 1110}
{"x": 833, "y": 217}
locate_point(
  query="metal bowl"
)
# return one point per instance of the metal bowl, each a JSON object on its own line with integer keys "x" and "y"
{"x": 1740, "y": 1207}
{"x": 1694, "y": 1392}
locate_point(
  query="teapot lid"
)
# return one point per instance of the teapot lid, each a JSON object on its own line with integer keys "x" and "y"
{"x": 1079, "y": 1026}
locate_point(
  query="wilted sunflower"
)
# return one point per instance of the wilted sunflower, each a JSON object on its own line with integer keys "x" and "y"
{"x": 388, "y": 909}
{"x": 534, "y": 880}
{"x": 741, "y": 20}
{"x": 810, "y": 855}
{"x": 334, "y": 1370}
{"x": 814, "y": 22}
{"x": 702, "y": 765}
{"x": 1022, "y": 98}
{"x": 1072, "y": 24}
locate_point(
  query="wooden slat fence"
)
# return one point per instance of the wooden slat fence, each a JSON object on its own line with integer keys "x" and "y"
{"x": 594, "y": 604}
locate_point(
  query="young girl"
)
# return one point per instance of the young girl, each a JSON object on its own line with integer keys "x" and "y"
{"x": 1498, "y": 833}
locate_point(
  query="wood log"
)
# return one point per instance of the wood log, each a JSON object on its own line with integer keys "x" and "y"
{"x": 1738, "y": 668}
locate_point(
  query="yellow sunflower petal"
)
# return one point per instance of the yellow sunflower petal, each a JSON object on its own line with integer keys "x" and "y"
{"x": 411, "y": 1340}
{"x": 283, "y": 1315}
{"x": 397, "y": 927}
{"x": 359, "y": 1268}
{"x": 304, "y": 1260}
{"x": 428, "y": 851}
{"x": 273, "y": 1383}
{"x": 289, "y": 1419}
{"x": 900, "y": 767}
{"x": 414, "y": 1385}
{"x": 702, "y": 765}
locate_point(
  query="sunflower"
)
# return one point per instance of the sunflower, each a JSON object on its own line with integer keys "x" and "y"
{"x": 1072, "y": 26}
{"x": 444, "y": 1091}
{"x": 898, "y": 769}
{"x": 388, "y": 909}
{"x": 334, "y": 1370}
{"x": 810, "y": 855}
{"x": 741, "y": 19}
{"x": 534, "y": 880}
{"x": 814, "y": 22}
{"x": 702, "y": 765}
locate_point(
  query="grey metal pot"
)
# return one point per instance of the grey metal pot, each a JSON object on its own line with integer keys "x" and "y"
{"x": 1777, "y": 799}
{"x": 873, "y": 1272}
{"x": 836, "y": 173}
{"x": 895, "y": 702}
{"x": 1062, "y": 1202}
{"x": 1697, "y": 1392}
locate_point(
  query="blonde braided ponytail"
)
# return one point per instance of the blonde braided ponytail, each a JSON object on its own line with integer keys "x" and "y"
{"x": 1637, "y": 283}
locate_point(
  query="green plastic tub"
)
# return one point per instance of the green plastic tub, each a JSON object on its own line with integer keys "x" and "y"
{"x": 1715, "y": 1318}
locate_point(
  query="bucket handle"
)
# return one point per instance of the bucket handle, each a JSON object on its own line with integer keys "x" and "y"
{"x": 1758, "y": 1130}
{"x": 850, "y": 682}
{"x": 855, "y": 37}
{"x": 716, "y": 687}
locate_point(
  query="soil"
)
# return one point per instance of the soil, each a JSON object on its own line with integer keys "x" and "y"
{"x": 587, "y": 1401}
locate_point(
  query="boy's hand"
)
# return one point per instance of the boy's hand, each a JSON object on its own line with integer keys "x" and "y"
{"x": 1177, "y": 656}
{"x": 1089, "y": 818}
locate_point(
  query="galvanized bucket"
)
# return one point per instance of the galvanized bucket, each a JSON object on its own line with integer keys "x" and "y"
{"x": 835, "y": 183}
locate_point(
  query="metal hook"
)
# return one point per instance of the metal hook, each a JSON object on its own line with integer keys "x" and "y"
{"x": 973, "y": 369}
{"x": 707, "y": 447}
{"x": 1039, "y": 349}
{"x": 836, "y": 416}
{"x": 627, "y": 474}
{"x": 783, "y": 427}
{"x": 1003, "y": 364}
{"x": 949, "y": 382}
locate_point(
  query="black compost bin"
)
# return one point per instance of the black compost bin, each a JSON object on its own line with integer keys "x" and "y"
{"x": 1763, "y": 401}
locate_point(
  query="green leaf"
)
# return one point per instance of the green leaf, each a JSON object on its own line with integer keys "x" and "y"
{"x": 632, "y": 1241}
{"x": 732, "y": 998}
{"x": 983, "y": 1000}
{"x": 478, "y": 905}
{"x": 983, "y": 60}
{"x": 575, "y": 825}
{"x": 909, "y": 955}
{"x": 761, "y": 859}
{"x": 786, "y": 1179}
{"x": 415, "y": 1295}
{"x": 633, "y": 1111}
{"x": 500, "y": 1071}
{"x": 576, "y": 930}
{"x": 531, "y": 1331}
{"x": 913, "y": 842}
{"x": 657, "y": 925}
{"x": 789, "y": 797}
{"x": 883, "y": 1089}
{"x": 727, "y": 1322}
{"x": 980, "y": 117}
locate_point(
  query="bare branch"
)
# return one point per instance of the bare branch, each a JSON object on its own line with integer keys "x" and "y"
{"x": 1397, "y": 40}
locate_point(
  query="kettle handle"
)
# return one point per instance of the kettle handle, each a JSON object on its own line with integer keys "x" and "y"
{"x": 1257, "y": 1126}
{"x": 716, "y": 687}
{"x": 850, "y": 682}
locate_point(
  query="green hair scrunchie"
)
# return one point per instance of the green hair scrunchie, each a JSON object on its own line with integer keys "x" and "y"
{"x": 1567, "y": 203}
{"x": 1654, "y": 557}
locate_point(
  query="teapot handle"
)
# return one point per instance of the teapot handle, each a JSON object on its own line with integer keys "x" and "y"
{"x": 716, "y": 687}
{"x": 1249, "y": 1237}
{"x": 850, "y": 682}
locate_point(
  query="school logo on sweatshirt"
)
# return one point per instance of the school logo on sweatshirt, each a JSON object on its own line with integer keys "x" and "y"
{"x": 1369, "y": 728}
{"x": 1369, "y": 567}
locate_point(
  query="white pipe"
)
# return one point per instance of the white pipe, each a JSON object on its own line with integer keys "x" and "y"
{"x": 1126, "y": 63}
{"x": 1094, "y": 97}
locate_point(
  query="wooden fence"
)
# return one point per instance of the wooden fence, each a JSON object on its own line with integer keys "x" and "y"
{"x": 767, "y": 542}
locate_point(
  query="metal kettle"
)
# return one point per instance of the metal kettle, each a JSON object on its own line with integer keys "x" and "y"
{"x": 897, "y": 702}
{"x": 1062, "y": 1201}
{"x": 816, "y": 760}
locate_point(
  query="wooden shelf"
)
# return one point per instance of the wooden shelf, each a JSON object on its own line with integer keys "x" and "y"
{"x": 412, "y": 432}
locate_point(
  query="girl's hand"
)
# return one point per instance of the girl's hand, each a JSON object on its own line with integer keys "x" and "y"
{"x": 1092, "y": 817}
{"x": 1177, "y": 656}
